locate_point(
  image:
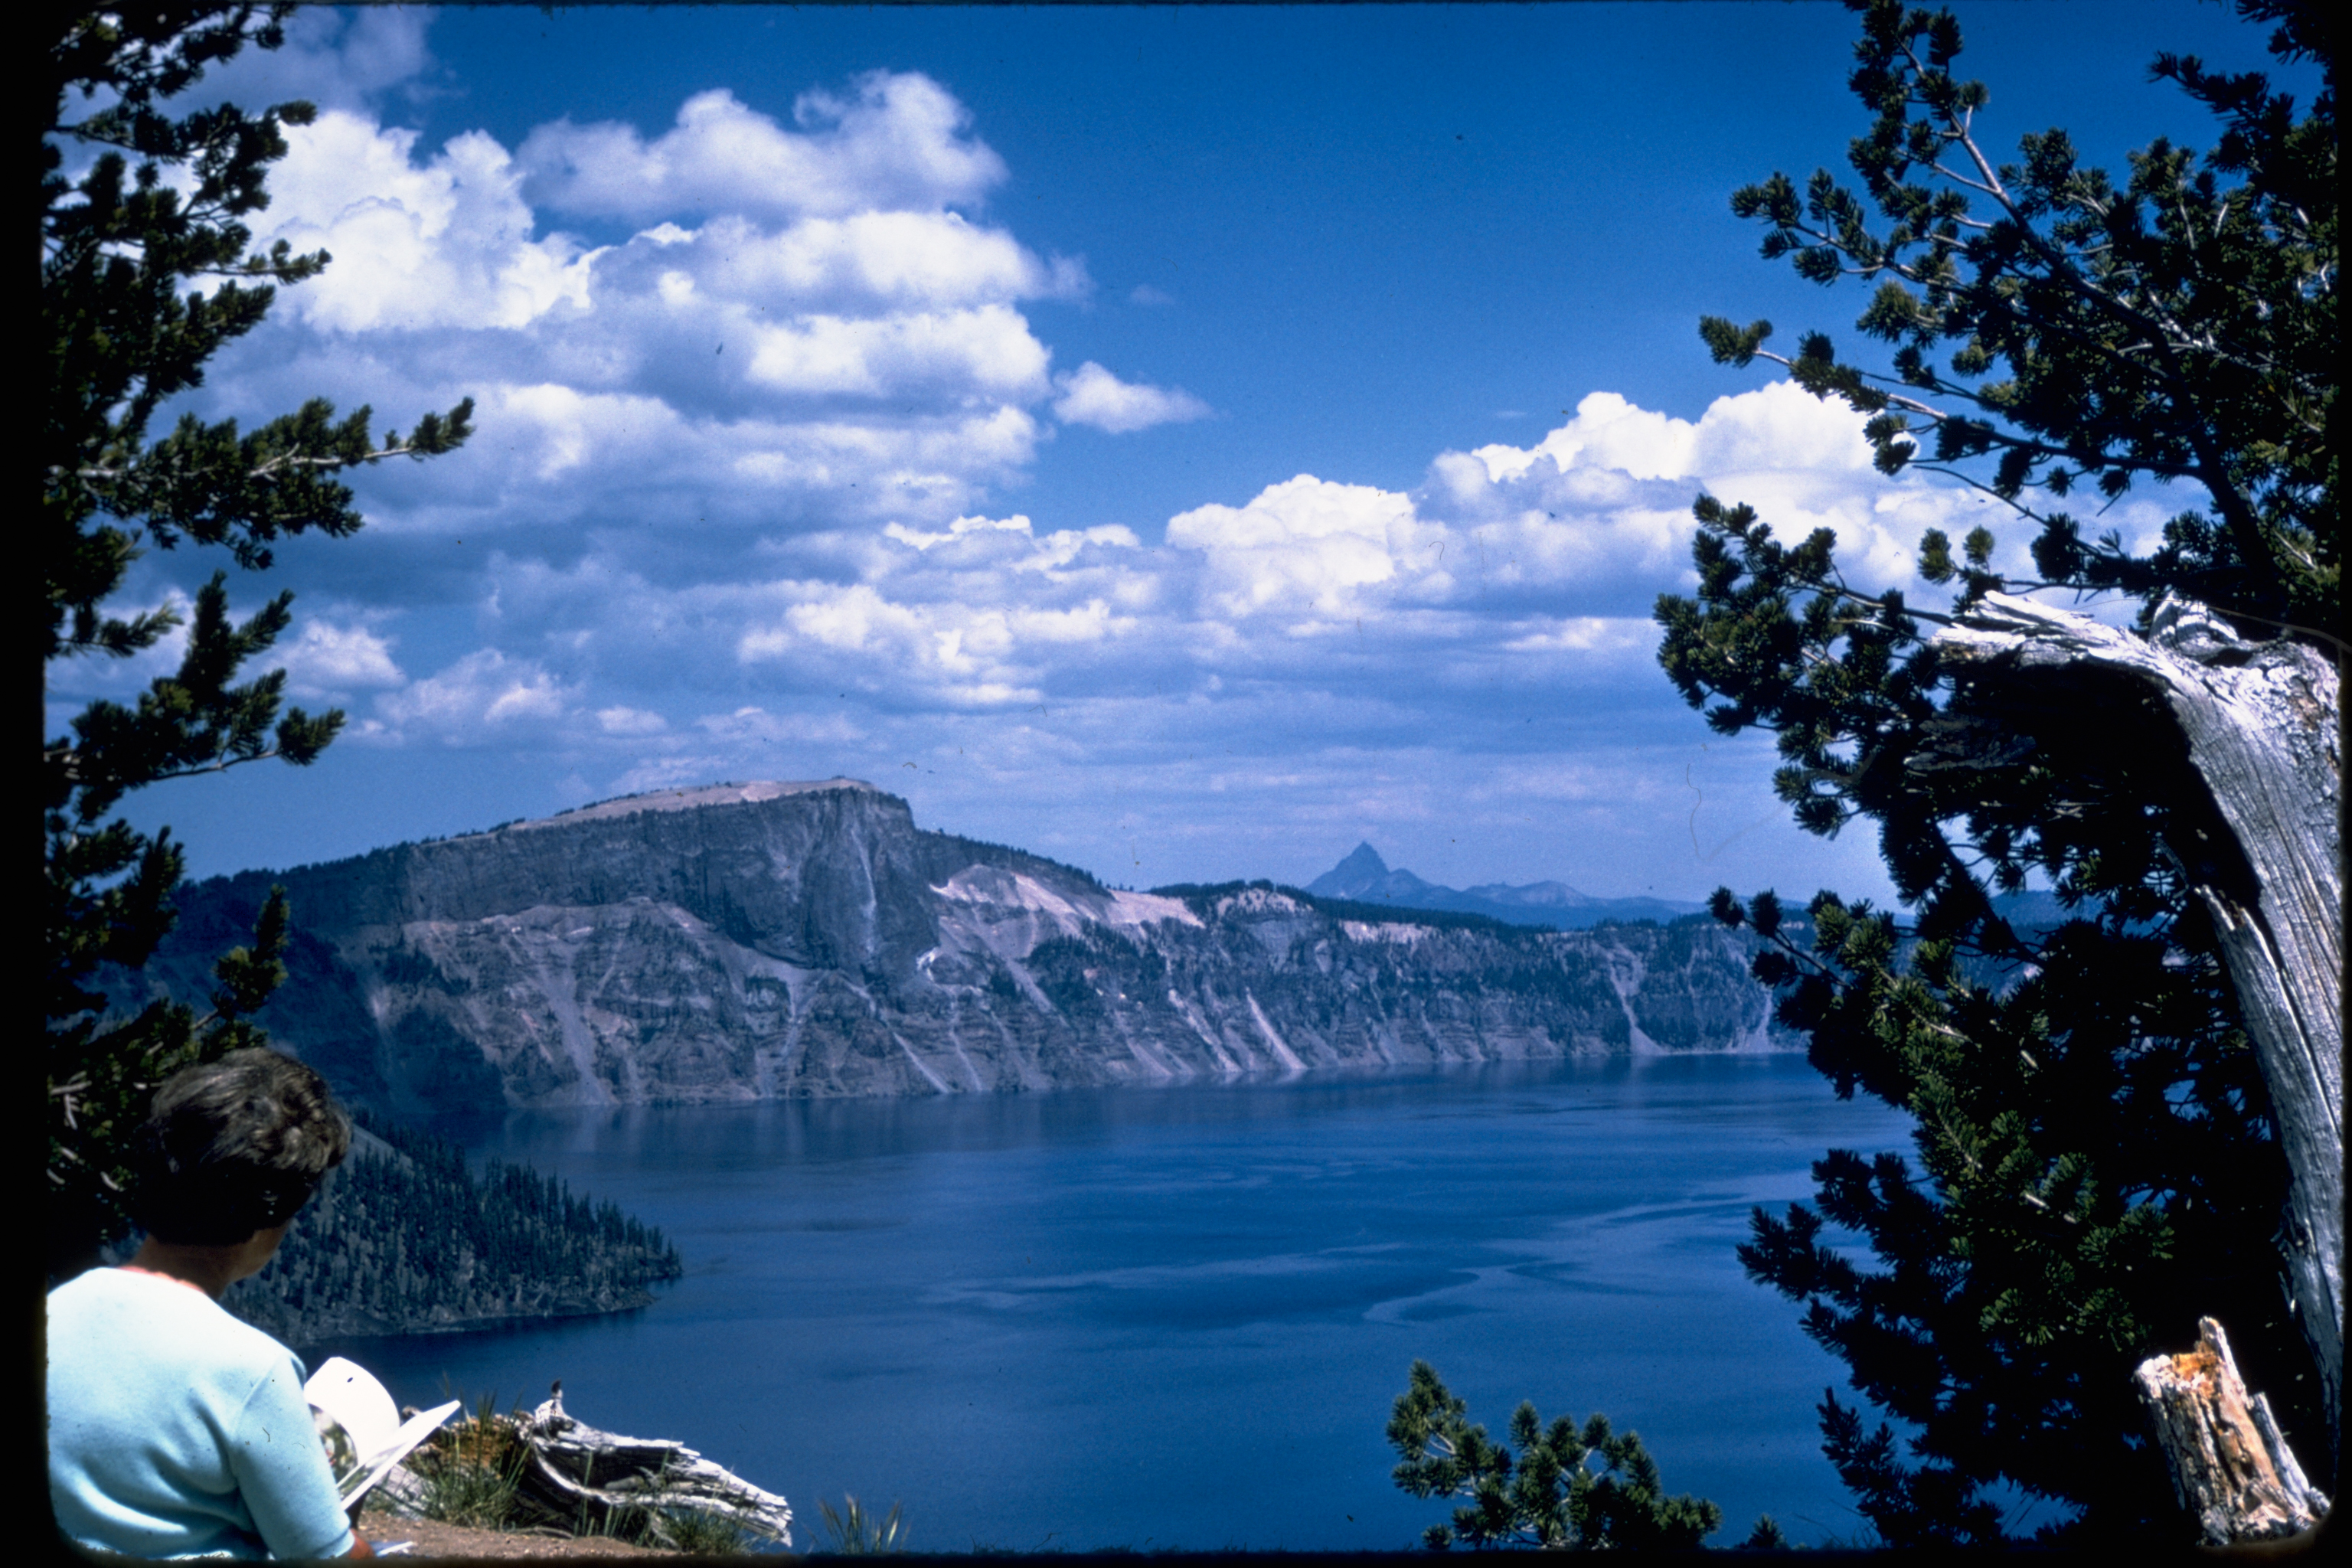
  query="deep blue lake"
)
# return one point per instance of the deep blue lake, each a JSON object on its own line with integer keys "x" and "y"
{"x": 1179, "y": 1316}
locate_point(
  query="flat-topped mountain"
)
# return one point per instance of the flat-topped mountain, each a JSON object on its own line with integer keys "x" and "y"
{"x": 767, "y": 940}
{"x": 1363, "y": 875}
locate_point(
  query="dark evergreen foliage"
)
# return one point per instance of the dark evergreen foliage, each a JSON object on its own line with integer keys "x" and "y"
{"x": 147, "y": 271}
{"x": 1547, "y": 1494}
{"x": 984, "y": 852}
{"x": 408, "y": 1240}
{"x": 2096, "y": 1165}
{"x": 2178, "y": 326}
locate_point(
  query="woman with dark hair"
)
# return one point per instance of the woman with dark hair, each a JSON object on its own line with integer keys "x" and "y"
{"x": 176, "y": 1430}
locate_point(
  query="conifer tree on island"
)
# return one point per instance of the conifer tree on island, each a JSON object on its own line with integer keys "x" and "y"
{"x": 2133, "y": 1120}
{"x": 147, "y": 269}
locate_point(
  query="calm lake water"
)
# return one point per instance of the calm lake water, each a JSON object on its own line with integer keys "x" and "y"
{"x": 1179, "y": 1316}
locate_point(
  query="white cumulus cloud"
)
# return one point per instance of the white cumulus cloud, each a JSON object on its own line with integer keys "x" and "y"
{"x": 1093, "y": 395}
{"x": 1303, "y": 543}
{"x": 1603, "y": 501}
{"x": 483, "y": 696}
{"x": 921, "y": 258}
{"x": 447, "y": 243}
{"x": 334, "y": 59}
{"x": 988, "y": 350}
{"x": 960, "y": 656}
{"x": 328, "y": 660}
{"x": 896, "y": 140}
{"x": 803, "y": 318}
{"x": 625, "y": 720}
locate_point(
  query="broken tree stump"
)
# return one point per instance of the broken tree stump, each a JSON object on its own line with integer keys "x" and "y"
{"x": 2231, "y": 1468}
{"x": 578, "y": 1472}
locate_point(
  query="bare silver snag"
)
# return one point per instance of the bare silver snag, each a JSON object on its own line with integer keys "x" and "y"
{"x": 577, "y": 1471}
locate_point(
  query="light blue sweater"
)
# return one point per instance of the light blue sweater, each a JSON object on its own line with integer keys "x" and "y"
{"x": 177, "y": 1431}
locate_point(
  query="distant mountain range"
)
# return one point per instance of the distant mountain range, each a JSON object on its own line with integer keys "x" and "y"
{"x": 1366, "y": 879}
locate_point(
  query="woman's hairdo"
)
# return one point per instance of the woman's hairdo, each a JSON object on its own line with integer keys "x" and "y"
{"x": 234, "y": 1146}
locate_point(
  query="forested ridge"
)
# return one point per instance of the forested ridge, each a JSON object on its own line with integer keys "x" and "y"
{"x": 402, "y": 1238}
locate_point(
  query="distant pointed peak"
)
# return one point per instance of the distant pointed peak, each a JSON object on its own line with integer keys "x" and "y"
{"x": 1362, "y": 870}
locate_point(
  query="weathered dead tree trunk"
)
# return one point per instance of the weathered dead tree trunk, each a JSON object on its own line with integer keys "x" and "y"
{"x": 577, "y": 1472}
{"x": 2232, "y": 1468}
{"x": 2262, "y": 725}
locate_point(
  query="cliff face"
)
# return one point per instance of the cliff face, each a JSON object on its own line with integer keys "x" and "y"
{"x": 772, "y": 940}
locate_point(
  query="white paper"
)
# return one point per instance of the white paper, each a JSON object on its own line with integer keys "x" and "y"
{"x": 350, "y": 1395}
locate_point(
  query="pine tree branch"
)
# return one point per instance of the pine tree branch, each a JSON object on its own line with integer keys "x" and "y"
{"x": 279, "y": 464}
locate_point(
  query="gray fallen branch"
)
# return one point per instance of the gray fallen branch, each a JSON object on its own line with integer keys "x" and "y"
{"x": 2261, "y": 727}
{"x": 2232, "y": 1470}
{"x": 576, "y": 1471}
{"x": 403, "y": 1493}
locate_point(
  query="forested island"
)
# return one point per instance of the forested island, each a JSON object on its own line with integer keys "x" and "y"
{"x": 402, "y": 1238}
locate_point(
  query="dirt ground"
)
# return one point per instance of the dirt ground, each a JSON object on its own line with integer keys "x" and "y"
{"x": 435, "y": 1539}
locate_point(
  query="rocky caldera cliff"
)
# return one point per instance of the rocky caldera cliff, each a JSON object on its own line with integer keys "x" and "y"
{"x": 772, "y": 940}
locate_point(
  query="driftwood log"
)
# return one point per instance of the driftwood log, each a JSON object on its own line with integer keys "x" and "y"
{"x": 2262, "y": 728}
{"x": 2232, "y": 1468}
{"x": 577, "y": 1472}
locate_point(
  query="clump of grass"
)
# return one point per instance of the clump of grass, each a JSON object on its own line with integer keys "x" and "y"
{"x": 698, "y": 1532}
{"x": 670, "y": 1526}
{"x": 857, "y": 1532}
{"x": 472, "y": 1469}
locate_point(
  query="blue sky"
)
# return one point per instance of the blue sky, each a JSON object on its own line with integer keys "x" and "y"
{"x": 1182, "y": 442}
